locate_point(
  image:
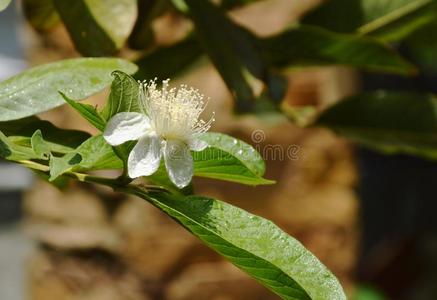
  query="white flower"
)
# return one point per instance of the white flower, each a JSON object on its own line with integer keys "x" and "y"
{"x": 168, "y": 126}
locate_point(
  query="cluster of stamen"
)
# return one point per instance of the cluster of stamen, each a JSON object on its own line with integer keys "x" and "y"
{"x": 174, "y": 113}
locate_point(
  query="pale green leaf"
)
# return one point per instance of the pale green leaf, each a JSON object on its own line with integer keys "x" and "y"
{"x": 36, "y": 90}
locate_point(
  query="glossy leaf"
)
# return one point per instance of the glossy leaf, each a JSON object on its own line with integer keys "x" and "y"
{"x": 389, "y": 20}
{"x": 88, "y": 112}
{"x": 170, "y": 61}
{"x": 36, "y": 90}
{"x": 253, "y": 244}
{"x": 123, "y": 97}
{"x": 98, "y": 27}
{"x": 391, "y": 122}
{"x": 229, "y": 159}
{"x": 93, "y": 154}
{"x": 41, "y": 14}
{"x": 59, "y": 140}
{"x": 308, "y": 45}
{"x": 226, "y": 158}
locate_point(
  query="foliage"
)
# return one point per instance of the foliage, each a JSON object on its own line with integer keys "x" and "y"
{"x": 361, "y": 33}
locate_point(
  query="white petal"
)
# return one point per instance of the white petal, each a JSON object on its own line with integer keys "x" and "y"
{"x": 126, "y": 126}
{"x": 145, "y": 157}
{"x": 178, "y": 162}
{"x": 197, "y": 145}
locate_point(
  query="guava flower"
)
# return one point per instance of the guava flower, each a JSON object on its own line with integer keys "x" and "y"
{"x": 168, "y": 126}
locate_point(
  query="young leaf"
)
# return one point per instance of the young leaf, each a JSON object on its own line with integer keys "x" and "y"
{"x": 93, "y": 154}
{"x": 98, "y": 28}
{"x": 253, "y": 244}
{"x": 388, "y": 20}
{"x": 87, "y": 111}
{"x": 391, "y": 122}
{"x": 36, "y": 90}
{"x": 11, "y": 151}
{"x": 59, "y": 140}
{"x": 309, "y": 45}
{"x": 39, "y": 145}
{"x": 123, "y": 97}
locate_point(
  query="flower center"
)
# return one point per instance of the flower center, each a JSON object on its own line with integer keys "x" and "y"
{"x": 174, "y": 113}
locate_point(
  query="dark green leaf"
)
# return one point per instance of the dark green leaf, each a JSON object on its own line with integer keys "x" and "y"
{"x": 169, "y": 62}
{"x": 123, "y": 97}
{"x": 422, "y": 47}
{"x": 60, "y": 140}
{"x": 308, "y": 45}
{"x": 98, "y": 27}
{"x": 93, "y": 154}
{"x": 142, "y": 33}
{"x": 389, "y": 20}
{"x": 233, "y": 50}
{"x": 255, "y": 245}
{"x": 41, "y": 14}
{"x": 36, "y": 90}
{"x": 87, "y": 111}
{"x": 391, "y": 122}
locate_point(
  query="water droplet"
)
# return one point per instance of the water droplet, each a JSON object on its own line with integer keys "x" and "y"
{"x": 239, "y": 152}
{"x": 234, "y": 141}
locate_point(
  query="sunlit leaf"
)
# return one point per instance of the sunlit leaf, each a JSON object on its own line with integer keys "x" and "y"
{"x": 253, "y": 244}
{"x": 36, "y": 90}
{"x": 87, "y": 111}
{"x": 98, "y": 27}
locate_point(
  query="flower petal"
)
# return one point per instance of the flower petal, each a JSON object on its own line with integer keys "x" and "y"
{"x": 178, "y": 162}
{"x": 197, "y": 145}
{"x": 126, "y": 126}
{"x": 145, "y": 157}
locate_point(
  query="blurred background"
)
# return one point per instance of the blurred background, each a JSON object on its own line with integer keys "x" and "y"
{"x": 369, "y": 217}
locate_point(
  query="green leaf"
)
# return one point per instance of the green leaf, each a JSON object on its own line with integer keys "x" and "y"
{"x": 93, "y": 154}
{"x": 422, "y": 47}
{"x": 229, "y": 159}
{"x": 4, "y": 4}
{"x": 389, "y": 20}
{"x": 391, "y": 122}
{"x": 253, "y": 244}
{"x": 39, "y": 145}
{"x": 98, "y": 27}
{"x": 308, "y": 45}
{"x": 36, "y": 90}
{"x": 41, "y": 14}
{"x": 123, "y": 97}
{"x": 233, "y": 50}
{"x": 226, "y": 158}
{"x": 169, "y": 62}
{"x": 87, "y": 111}
{"x": 11, "y": 151}
{"x": 59, "y": 140}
